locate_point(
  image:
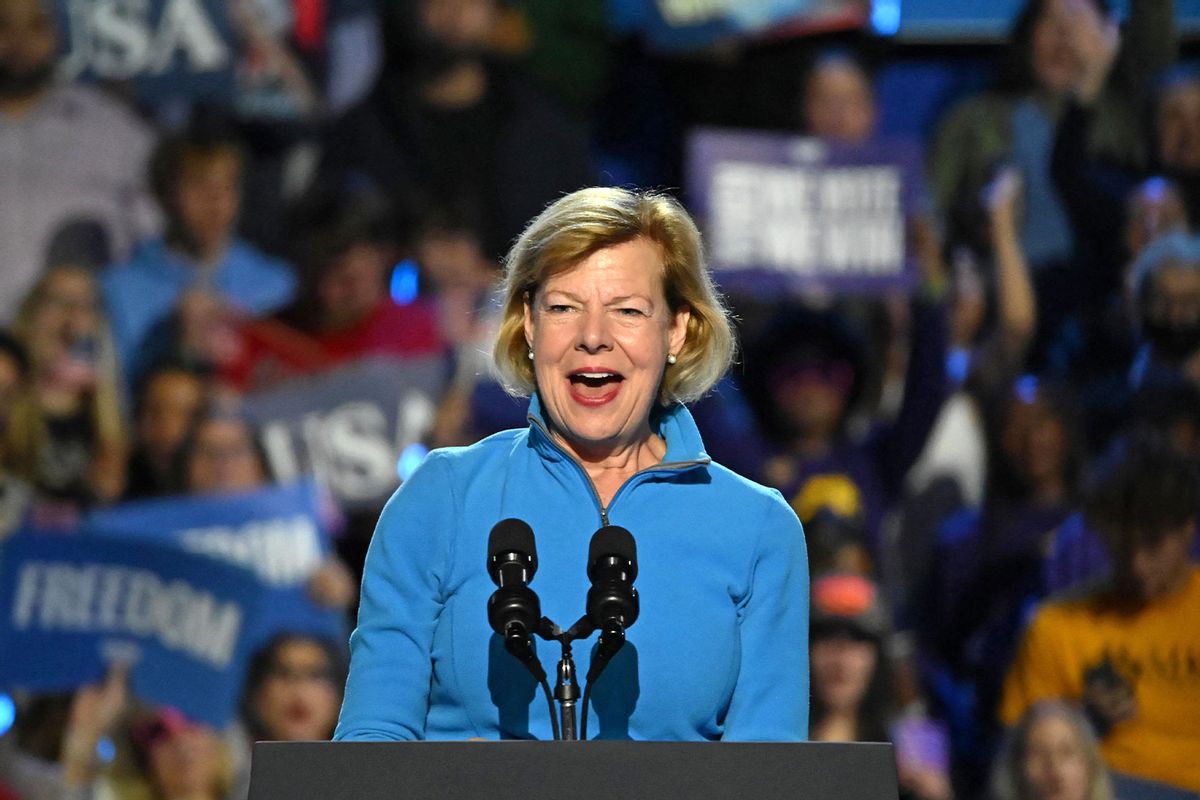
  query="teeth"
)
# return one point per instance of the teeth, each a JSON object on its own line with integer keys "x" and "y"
{"x": 596, "y": 375}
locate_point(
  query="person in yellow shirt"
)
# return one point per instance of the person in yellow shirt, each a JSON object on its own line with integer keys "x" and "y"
{"x": 1129, "y": 649}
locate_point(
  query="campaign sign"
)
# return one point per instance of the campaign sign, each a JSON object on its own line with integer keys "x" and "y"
{"x": 787, "y": 213}
{"x": 168, "y": 49}
{"x": 349, "y": 426}
{"x": 694, "y": 24}
{"x": 275, "y": 532}
{"x": 70, "y": 605}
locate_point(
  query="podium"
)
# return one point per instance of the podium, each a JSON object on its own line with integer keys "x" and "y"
{"x": 594, "y": 770}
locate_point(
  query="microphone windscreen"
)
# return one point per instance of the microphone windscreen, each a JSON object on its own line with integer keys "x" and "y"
{"x": 612, "y": 540}
{"x": 509, "y": 536}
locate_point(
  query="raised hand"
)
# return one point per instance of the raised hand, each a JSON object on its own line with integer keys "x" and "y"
{"x": 1095, "y": 38}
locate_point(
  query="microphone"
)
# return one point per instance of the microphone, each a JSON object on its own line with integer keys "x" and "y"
{"x": 612, "y": 602}
{"x": 513, "y": 610}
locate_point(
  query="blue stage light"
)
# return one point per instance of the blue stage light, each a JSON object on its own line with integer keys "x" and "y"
{"x": 410, "y": 459}
{"x": 8, "y": 713}
{"x": 404, "y": 284}
{"x": 885, "y": 17}
{"x": 1026, "y": 389}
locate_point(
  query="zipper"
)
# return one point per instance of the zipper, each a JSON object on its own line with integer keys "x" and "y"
{"x": 672, "y": 466}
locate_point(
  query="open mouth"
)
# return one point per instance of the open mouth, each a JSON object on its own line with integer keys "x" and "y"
{"x": 593, "y": 386}
{"x": 595, "y": 380}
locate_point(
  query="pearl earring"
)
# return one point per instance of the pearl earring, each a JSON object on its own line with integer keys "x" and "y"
{"x": 670, "y": 358}
{"x": 530, "y": 355}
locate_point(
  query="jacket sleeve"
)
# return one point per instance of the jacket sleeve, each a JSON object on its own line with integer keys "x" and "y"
{"x": 387, "y": 692}
{"x": 770, "y": 695}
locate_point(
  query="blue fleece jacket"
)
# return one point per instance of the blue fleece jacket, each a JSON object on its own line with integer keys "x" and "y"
{"x": 720, "y": 650}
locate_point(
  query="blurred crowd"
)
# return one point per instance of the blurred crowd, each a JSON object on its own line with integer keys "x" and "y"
{"x": 997, "y": 471}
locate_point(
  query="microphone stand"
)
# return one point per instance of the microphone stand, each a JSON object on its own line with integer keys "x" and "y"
{"x": 566, "y": 692}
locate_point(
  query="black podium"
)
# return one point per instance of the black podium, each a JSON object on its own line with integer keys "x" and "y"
{"x": 596, "y": 770}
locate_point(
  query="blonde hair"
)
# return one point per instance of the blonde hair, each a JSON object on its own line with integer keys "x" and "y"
{"x": 588, "y": 220}
{"x": 28, "y": 428}
{"x": 1008, "y": 779}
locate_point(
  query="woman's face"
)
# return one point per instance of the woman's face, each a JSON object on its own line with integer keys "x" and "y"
{"x": 1179, "y": 126}
{"x": 600, "y": 333}
{"x": 298, "y": 701}
{"x": 811, "y": 395}
{"x": 1055, "y": 764}
{"x": 187, "y": 763}
{"x": 172, "y": 400}
{"x": 65, "y": 315}
{"x": 353, "y": 285}
{"x": 842, "y": 668}
{"x": 1174, "y": 297}
{"x": 1035, "y": 441}
{"x": 207, "y": 199}
{"x": 1056, "y": 67}
{"x": 1155, "y": 208}
{"x": 839, "y": 103}
{"x": 224, "y": 458}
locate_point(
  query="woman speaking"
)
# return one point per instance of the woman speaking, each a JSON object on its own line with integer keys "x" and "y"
{"x": 610, "y": 324}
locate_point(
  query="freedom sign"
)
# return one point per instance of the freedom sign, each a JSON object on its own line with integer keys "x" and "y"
{"x": 788, "y": 213}
{"x": 276, "y": 533}
{"x": 71, "y": 605}
{"x": 349, "y": 426}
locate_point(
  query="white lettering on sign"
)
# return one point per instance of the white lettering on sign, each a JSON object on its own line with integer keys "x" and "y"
{"x": 283, "y": 552}
{"x": 98, "y": 598}
{"x": 122, "y": 39}
{"x": 807, "y": 220}
{"x": 349, "y": 447}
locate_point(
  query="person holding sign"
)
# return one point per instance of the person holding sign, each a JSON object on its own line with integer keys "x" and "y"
{"x": 611, "y": 324}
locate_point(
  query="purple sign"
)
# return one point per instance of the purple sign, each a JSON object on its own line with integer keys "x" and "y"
{"x": 788, "y": 213}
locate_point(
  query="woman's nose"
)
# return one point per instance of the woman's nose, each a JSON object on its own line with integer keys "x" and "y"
{"x": 594, "y": 335}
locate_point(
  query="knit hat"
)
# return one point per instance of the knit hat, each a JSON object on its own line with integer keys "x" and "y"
{"x": 844, "y": 602}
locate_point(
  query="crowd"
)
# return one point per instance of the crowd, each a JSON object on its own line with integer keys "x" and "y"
{"x": 998, "y": 471}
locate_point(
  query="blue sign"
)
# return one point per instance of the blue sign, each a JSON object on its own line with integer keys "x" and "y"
{"x": 350, "y": 425}
{"x": 167, "y": 49}
{"x": 788, "y": 213}
{"x": 276, "y": 533}
{"x": 253, "y": 57}
{"x": 72, "y": 605}
{"x": 972, "y": 20}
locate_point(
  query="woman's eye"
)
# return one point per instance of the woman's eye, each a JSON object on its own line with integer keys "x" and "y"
{"x": 630, "y": 312}
{"x": 558, "y": 308}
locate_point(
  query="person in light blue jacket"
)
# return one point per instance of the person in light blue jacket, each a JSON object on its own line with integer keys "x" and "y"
{"x": 611, "y": 324}
{"x": 196, "y": 175}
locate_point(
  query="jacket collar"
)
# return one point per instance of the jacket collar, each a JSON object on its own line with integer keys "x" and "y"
{"x": 673, "y": 423}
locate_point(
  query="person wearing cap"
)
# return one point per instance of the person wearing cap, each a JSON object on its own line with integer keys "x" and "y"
{"x": 851, "y": 680}
{"x": 853, "y": 687}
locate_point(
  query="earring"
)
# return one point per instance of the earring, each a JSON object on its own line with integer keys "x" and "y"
{"x": 671, "y": 358}
{"x": 530, "y": 355}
